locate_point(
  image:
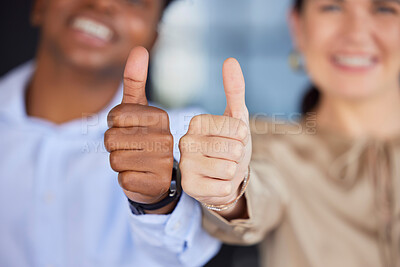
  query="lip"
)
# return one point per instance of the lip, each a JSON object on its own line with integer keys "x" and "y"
{"x": 352, "y": 68}
{"x": 88, "y": 39}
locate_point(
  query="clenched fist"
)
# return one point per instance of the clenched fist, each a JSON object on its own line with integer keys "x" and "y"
{"x": 139, "y": 138}
{"x": 216, "y": 151}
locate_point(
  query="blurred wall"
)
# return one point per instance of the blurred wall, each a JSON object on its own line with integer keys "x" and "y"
{"x": 18, "y": 39}
{"x": 198, "y": 35}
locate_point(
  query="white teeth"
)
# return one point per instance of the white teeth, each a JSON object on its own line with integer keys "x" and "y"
{"x": 354, "y": 61}
{"x": 93, "y": 28}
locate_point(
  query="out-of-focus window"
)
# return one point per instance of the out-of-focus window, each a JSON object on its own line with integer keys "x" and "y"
{"x": 198, "y": 35}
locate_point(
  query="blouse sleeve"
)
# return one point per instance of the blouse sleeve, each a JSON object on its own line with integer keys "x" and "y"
{"x": 265, "y": 197}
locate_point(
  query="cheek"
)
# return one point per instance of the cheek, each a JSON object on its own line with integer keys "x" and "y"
{"x": 318, "y": 40}
{"x": 55, "y": 16}
{"x": 133, "y": 32}
{"x": 391, "y": 43}
{"x": 59, "y": 8}
{"x": 137, "y": 30}
{"x": 394, "y": 56}
{"x": 319, "y": 35}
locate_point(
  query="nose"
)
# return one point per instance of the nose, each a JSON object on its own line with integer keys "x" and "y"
{"x": 104, "y": 6}
{"x": 356, "y": 27}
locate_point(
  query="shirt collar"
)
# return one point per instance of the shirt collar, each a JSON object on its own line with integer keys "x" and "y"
{"x": 12, "y": 107}
{"x": 12, "y": 91}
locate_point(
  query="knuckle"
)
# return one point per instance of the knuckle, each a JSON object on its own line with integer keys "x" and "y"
{"x": 162, "y": 144}
{"x": 242, "y": 130}
{"x": 169, "y": 162}
{"x": 182, "y": 163}
{"x": 114, "y": 161}
{"x": 185, "y": 143}
{"x": 185, "y": 167}
{"x": 113, "y": 116}
{"x": 183, "y": 140}
{"x": 168, "y": 139}
{"x": 190, "y": 139}
{"x": 157, "y": 116}
{"x": 196, "y": 122}
{"x": 182, "y": 145}
{"x": 230, "y": 170}
{"x": 124, "y": 115}
{"x": 225, "y": 189}
{"x": 108, "y": 140}
{"x": 163, "y": 115}
{"x": 124, "y": 181}
{"x": 187, "y": 185}
{"x": 237, "y": 151}
{"x": 119, "y": 109}
{"x": 132, "y": 83}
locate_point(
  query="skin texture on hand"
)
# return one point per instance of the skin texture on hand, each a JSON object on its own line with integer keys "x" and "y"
{"x": 139, "y": 139}
{"x": 216, "y": 151}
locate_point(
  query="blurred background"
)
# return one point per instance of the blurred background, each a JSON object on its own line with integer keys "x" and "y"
{"x": 196, "y": 36}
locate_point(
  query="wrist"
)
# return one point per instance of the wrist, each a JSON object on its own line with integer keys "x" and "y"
{"x": 167, "y": 201}
{"x": 239, "y": 193}
{"x": 238, "y": 211}
{"x": 168, "y": 209}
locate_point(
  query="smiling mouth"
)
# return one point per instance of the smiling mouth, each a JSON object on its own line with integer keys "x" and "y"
{"x": 93, "y": 29}
{"x": 355, "y": 62}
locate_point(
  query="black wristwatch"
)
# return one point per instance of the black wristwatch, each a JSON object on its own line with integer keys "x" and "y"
{"x": 175, "y": 191}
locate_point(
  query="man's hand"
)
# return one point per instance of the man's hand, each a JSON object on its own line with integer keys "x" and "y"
{"x": 139, "y": 139}
{"x": 216, "y": 150}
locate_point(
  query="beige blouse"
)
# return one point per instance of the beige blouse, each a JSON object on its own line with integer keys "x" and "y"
{"x": 316, "y": 199}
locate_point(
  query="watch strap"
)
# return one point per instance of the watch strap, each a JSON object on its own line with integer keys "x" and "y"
{"x": 174, "y": 193}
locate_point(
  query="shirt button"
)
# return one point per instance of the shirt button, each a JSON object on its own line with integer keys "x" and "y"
{"x": 176, "y": 226}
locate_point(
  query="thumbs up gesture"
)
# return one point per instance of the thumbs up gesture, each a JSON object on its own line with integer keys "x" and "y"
{"x": 216, "y": 151}
{"x": 139, "y": 138}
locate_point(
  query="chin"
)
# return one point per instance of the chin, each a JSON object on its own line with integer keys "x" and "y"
{"x": 85, "y": 62}
{"x": 354, "y": 91}
{"x": 93, "y": 62}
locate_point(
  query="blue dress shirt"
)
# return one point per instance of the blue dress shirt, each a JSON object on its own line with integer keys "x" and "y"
{"x": 60, "y": 202}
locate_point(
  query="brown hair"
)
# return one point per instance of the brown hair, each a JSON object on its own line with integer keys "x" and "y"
{"x": 298, "y": 5}
{"x": 312, "y": 96}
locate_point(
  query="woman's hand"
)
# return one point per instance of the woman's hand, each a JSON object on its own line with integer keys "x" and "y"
{"x": 216, "y": 151}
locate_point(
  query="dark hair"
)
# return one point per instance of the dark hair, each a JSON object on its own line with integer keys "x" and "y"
{"x": 312, "y": 96}
{"x": 298, "y": 5}
{"x": 167, "y": 2}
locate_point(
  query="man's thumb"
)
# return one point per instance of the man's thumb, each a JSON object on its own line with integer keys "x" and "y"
{"x": 234, "y": 86}
{"x": 135, "y": 76}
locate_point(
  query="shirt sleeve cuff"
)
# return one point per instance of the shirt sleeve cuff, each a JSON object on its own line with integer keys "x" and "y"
{"x": 180, "y": 232}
